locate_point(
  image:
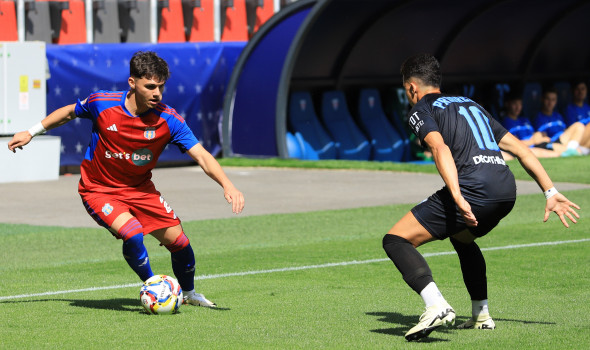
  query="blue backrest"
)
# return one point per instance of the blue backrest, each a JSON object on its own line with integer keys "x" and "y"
{"x": 352, "y": 144}
{"x": 531, "y": 99}
{"x": 387, "y": 142}
{"x": 304, "y": 121}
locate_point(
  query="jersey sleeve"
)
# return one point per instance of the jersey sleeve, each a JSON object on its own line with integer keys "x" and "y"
{"x": 82, "y": 109}
{"x": 421, "y": 121}
{"x": 88, "y": 108}
{"x": 497, "y": 128}
{"x": 180, "y": 134}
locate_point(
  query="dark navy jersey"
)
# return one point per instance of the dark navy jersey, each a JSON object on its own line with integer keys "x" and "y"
{"x": 472, "y": 136}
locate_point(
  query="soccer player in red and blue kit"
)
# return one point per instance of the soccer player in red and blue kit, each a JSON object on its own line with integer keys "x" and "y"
{"x": 130, "y": 130}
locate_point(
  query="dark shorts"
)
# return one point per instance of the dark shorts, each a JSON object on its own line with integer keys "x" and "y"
{"x": 439, "y": 215}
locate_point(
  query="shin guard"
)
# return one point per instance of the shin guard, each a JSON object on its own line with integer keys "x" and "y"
{"x": 473, "y": 267}
{"x": 414, "y": 269}
{"x": 183, "y": 262}
{"x": 134, "y": 250}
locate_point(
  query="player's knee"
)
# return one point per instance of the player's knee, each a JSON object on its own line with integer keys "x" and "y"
{"x": 179, "y": 243}
{"x": 130, "y": 229}
{"x": 461, "y": 247}
{"x": 389, "y": 239}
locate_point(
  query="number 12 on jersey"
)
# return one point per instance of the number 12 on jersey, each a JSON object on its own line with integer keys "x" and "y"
{"x": 480, "y": 127}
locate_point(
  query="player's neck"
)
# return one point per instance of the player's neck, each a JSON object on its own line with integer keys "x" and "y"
{"x": 426, "y": 91}
{"x": 547, "y": 111}
{"x": 131, "y": 104}
{"x": 512, "y": 116}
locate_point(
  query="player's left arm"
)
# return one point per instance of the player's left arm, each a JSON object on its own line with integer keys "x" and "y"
{"x": 556, "y": 202}
{"x": 443, "y": 158}
{"x": 56, "y": 118}
{"x": 211, "y": 167}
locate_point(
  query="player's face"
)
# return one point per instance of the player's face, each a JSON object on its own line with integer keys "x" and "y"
{"x": 514, "y": 107}
{"x": 580, "y": 92}
{"x": 148, "y": 92}
{"x": 549, "y": 101}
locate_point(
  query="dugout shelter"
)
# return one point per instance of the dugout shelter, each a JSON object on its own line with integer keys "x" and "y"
{"x": 317, "y": 46}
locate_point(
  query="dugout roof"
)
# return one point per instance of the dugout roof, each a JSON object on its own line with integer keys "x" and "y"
{"x": 335, "y": 44}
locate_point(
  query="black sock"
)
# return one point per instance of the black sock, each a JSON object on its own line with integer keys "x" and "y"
{"x": 408, "y": 261}
{"x": 473, "y": 266}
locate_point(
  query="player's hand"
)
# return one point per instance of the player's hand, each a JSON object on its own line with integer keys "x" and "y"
{"x": 19, "y": 140}
{"x": 465, "y": 210}
{"x": 563, "y": 208}
{"x": 235, "y": 198}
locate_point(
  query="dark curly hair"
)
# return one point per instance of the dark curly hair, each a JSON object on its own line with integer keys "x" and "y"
{"x": 424, "y": 67}
{"x": 147, "y": 64}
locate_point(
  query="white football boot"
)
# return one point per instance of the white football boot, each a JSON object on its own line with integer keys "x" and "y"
{"x": 483, "y": 321}
{"x": 198, "y": 299}
{"x": 434, "y": 317}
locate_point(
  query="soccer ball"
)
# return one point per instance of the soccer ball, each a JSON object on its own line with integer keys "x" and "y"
{"x": 161, "y": 295}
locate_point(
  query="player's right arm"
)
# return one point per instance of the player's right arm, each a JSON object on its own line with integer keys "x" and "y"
{"x": 556, "y": 202}
{"x": 441, "y": 154}
{"x": 57, "y": 118}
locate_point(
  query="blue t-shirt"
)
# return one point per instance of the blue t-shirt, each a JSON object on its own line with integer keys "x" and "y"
{"x": 553, "y": 125}
{"x": 521, "y": 128}
{"x": 574, "y": 114}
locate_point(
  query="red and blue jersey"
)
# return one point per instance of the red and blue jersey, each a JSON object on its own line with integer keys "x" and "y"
{"x": 125, "y": 148}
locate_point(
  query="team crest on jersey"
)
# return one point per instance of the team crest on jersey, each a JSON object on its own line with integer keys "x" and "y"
{"x": 149, "y": 133}
{"x": 107, "y": 209}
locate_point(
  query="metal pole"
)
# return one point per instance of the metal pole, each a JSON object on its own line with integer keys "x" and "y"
{"x": 89, "y": 21}
{"x": 153, "y": 21}
{"x": 217, "y": 20}
{"x": 20, "y": 20}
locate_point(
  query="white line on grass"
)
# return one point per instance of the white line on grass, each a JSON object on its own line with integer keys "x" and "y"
{"x": 285, "y": 269}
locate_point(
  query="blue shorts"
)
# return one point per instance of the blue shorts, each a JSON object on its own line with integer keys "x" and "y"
{"x": 441, "y": 218}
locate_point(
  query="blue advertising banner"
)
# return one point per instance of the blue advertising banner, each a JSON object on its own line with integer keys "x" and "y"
{"x": 199, "y": 76}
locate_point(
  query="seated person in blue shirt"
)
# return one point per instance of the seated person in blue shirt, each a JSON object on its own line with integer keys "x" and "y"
{"x": 551, "y": 124}
{"x": 520, "y": 126}
{"x": 579, "y": 111}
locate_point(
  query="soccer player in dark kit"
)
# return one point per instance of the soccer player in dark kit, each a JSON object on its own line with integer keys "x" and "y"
{"x": 130, "y": 130}
{"x": 479, "y": 191}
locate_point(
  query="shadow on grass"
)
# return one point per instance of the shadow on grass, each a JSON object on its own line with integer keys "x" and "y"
{"x": 405, "y": 323}
{"x": 521, "y": 321}
{"x": 117, "y": 304}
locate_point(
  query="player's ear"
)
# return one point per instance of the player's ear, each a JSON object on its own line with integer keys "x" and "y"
{"x": 412, "y": 89}
{"x": 131, "y": 82}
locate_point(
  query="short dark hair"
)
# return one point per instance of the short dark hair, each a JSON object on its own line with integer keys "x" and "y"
{"x": 550, "y": 90}
{"x": 424, "y": 67}
{"x": 577, "y": 82}
{"x": 512, "y": 95}
{"x": 147, "y": 64}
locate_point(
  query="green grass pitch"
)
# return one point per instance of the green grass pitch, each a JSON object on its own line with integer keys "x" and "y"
{"x": 316, "y": 280}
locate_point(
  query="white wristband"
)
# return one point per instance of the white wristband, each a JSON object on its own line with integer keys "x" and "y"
{"x": 36, "y": 129}
{"x": 550, "y": 193}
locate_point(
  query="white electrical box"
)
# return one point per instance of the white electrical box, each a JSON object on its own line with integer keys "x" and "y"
{"x": 23, "y": 75}
{"x": 22, "y": 85}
